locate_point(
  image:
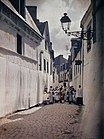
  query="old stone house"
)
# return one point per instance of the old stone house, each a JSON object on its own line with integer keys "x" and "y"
{"x": 61, "y": 64}
{"x": 76, "y": 57}
{"x": 90, "y": 71}
{"x": 45, "y": 51}
{"x": 20, "y": 41}
{"x": 93, "y": 73}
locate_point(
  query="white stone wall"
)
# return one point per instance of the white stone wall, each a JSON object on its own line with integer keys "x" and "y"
{"x": 2, "y": 86}
{"x": 8, "y": 40}
{"x": 29, "y": 49}
{"x": 93, "y": 85}
{"x": 91, "y": 89}
{"x": 20, "y": 83}
{"x": 7, "y": 36}
{"x": 47, "y": 77}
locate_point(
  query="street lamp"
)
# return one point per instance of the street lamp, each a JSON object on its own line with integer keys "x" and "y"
{"x": 83, "y": 35}
{"x": 65, "y": 22}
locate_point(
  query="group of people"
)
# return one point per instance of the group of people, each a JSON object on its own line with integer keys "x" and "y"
{"x": 51, "y": 96}
{"x": 71, "y": 95}
{"x": 75, "y": 96}
{"x": 63, "y": 95}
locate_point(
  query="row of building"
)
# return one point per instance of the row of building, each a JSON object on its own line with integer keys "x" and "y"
{"x": 26, "y": 57}
{"x": 85, "y": 67}
{"x": 87, "y": 64}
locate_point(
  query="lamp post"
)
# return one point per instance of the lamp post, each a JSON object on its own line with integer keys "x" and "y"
{"x": 65, "y": 22}
{"x": 83, "y": 35}
{"x": 80, "y": 35}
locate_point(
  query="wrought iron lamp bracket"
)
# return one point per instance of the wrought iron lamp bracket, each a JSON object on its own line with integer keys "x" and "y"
{"x": 81, "y": 34}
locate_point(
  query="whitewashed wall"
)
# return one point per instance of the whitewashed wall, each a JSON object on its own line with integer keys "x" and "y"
{"x": 2, "y": 85}
{"x": 29, "y": 51}
{"x": 20, "y": 83}
{"x": 93, "y": 85}
{"x": 7, "y": 36}
{"x": 47, "y": 77}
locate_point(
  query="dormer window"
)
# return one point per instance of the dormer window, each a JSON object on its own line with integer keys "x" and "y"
{"x": 19, "y": 5}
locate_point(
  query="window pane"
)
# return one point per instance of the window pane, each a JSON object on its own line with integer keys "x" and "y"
{"x": 19, "y": 44}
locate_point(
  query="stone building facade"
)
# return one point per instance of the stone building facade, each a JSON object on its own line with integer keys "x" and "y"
{"x": 21, "y": 81}
{"x": 76, "y": 56}
{"x": 45, "y": 51}
{"x": 93, "y": 85}
{"x": 91, "y": 76}
{"x": 61, "y": 65}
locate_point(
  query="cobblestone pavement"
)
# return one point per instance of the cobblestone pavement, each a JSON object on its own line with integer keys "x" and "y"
{"x": 57, "y": 121}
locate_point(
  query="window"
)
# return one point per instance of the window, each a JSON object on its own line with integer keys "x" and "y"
{"x": 94, "y": 28}
{"x": 45, "y": 44}
{"x": 78, "y": 68}
{"x": 70, "y": 77}
{"x": 44, "y": 65}
{"x": 74, "y": 70}
{"x": 51, "y": 68}
{"x": 63, "y": 66}
{"x": 19, "y": 44}
{"x": 89, "y": 37}
{"x": 94, "y": 21}
{"x": 22, "y": 8}
{"x": 47, "y": 67}
{"x": 40, "y": 61}
{"x": 19, "y": 6}
{"x": 53, "y": 76}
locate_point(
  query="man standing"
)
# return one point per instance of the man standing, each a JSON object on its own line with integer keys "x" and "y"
{"x": 70, "y": 94}
{"x": 62, "y": 94}
{"x": 80, "y": 96}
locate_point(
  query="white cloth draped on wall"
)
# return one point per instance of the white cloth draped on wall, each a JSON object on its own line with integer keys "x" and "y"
{"x": 21, "y": 87}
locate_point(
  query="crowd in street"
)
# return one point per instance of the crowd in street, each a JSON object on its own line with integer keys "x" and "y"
{"x": 62, "y": 94}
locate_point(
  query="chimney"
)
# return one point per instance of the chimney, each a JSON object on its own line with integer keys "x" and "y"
{"x": 33, "y": 11}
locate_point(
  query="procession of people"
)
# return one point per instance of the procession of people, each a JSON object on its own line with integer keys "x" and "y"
{"x": 62, "y": 94}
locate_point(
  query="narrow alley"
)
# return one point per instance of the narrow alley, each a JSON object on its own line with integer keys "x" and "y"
{"x": 57, "y": 121}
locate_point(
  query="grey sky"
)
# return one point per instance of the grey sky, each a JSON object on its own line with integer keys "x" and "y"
{"x": 52, "y": 11}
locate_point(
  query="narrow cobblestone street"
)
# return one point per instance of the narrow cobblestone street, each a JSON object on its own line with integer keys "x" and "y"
{"x": 57, "y": 121}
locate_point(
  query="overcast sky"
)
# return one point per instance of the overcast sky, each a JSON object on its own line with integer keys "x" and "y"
{"x": 52, "y": 11}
